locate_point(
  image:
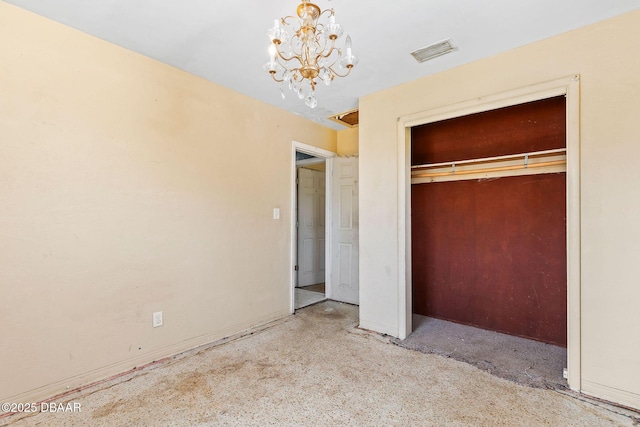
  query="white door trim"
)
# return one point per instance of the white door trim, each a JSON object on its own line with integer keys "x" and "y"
{"x": 569, "y": 87}
{"x": 327, "y": 155}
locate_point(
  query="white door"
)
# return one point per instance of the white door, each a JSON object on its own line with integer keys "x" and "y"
{"x": 344, "y": 237}
{"x": 311, "y": 227}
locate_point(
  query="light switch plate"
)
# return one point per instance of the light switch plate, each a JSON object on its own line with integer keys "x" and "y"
{"x": 157, "y": 319}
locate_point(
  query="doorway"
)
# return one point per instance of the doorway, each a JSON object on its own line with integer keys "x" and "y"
{"x": 310, "y": 268}
{"x": 568, "y": 87}
{"x": 310, "y": 225}
{"x": 339, "y": 253}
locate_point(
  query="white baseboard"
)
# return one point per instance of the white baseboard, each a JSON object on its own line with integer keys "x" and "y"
{"x": 613, "y": 395}
{"x": 377, "y": 327}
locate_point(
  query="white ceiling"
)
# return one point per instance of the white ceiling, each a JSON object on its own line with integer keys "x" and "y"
{"x": 225, "y": 41}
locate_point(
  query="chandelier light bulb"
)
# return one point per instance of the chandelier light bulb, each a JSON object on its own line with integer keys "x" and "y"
{"x": 310, "y": 54}
{"x": 272, "y": 65}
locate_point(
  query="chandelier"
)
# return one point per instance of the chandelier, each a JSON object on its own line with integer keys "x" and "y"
{"x": 303, "y": 51}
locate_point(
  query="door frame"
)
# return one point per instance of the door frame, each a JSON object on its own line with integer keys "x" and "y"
{"x": 570, "y": 88}
{"x": 327, "y": 156}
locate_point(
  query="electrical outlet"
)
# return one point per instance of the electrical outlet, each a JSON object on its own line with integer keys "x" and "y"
{"x": 565, "y": 373}
{"x": 157, "y": 319}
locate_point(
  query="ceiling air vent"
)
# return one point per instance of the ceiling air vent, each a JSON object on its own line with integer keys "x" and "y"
{"x": 348, "y": 118}
{"x": 432, "y": 51}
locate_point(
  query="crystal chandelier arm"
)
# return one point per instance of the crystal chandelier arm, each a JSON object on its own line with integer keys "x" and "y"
{"x": 329, "y": 11}
{"x": 285, "y": 58}
{"x": 329, "y": 52}
{"x": 319, "y": 48}
{"x": 295, "y": 75}
{"x": 273, "y": 76}
{"x": 286, "y": 18}
{"x": 349, "y": 68}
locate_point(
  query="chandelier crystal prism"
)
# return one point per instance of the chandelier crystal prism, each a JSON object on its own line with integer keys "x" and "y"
{"x": 303, "y": 51}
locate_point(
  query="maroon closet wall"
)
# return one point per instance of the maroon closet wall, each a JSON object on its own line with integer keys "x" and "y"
{"x": 534, "y": 126}
{"x": 492, "y": 253}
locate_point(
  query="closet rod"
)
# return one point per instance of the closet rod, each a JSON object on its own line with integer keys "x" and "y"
{"x": 493, "y": 159}
{"x": 486, "y": 170}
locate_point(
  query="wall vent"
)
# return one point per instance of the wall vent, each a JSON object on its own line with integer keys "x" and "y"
{"x": 433, "y": 51}
{"x": 348, "y": 118}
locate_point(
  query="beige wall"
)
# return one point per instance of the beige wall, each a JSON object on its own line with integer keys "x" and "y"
{"x": 348, "y": 141}
{"x": 602, "y": 54}
{"x": 128, "y": 187}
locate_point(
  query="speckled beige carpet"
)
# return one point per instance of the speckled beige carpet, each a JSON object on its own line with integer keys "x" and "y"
{"x": 316, "y": 369}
